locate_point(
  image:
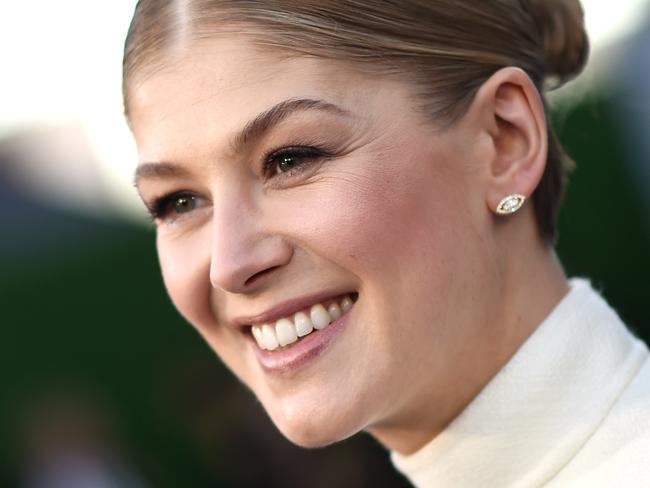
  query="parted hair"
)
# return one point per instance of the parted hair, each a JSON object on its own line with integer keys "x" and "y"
{"x": 446, "y": 48}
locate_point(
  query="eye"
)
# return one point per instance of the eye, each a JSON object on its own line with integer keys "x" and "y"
{"x": 291, "y": 160}
{"x": 184, "y": 204}
{"x": 288, "y": 162}
{"x": 173, "y": 206}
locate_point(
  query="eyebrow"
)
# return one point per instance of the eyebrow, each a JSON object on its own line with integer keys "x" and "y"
{"x": 254, "y": 129}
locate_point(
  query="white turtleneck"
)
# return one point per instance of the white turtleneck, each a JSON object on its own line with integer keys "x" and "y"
{"x": 571, "y": 408}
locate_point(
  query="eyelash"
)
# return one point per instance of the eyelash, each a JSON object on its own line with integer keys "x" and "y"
{"x": 308, "y": 153}
{"x": 160, "y": 208}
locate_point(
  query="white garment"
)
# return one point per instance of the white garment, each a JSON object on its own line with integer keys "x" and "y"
{"x": 571, "y": 408}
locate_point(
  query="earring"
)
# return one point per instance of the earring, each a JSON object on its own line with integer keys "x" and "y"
{"x": 510, "y": 204}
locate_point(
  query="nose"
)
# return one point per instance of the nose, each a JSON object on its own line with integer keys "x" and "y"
{"x": 244, "y": 250}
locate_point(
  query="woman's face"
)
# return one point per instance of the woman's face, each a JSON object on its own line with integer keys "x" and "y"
{"x": 292, "y": 181}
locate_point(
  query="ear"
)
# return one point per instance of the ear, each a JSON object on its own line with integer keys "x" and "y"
{"x": 511, "y": 112}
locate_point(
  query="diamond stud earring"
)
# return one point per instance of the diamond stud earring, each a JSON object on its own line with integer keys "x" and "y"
{"x": 510, "y": 204}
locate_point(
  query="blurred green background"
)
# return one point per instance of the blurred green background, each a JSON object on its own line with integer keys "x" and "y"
{"x": 87, "y": 326}
{"x": 97, "y": 363}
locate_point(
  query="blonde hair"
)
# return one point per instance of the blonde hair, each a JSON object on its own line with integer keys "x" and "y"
{"x": 446, "y": 48}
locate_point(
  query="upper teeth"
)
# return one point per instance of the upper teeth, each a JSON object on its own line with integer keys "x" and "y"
{"x": 287, "y": 330}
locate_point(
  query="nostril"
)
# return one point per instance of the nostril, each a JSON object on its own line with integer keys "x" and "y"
{"x": 257, "y": 276}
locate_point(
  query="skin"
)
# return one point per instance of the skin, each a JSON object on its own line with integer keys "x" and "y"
{"x": 402, "y": 212}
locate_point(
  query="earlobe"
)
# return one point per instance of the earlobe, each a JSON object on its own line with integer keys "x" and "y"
{"x": 514, "y": 118}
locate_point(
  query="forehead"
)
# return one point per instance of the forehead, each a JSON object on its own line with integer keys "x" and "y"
{"x": 221, "y": 84}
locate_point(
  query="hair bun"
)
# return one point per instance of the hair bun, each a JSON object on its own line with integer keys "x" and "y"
{"x": 566, "y": 45}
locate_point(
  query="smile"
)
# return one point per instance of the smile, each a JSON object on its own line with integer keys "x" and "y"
{"x": 291, "y": 329}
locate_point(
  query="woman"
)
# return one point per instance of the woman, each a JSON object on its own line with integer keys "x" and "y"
{"x": 356, "y": 202}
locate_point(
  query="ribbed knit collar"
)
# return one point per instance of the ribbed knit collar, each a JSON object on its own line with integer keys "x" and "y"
{"x": 541, "y": 408}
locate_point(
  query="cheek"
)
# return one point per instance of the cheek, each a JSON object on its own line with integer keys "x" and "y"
{"x": 185, "y": 264}
{"x": 404, "y": 227}
{"x": 388, "y": 211}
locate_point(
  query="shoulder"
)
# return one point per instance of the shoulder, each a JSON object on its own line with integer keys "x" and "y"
{"x": 618, "y": 452}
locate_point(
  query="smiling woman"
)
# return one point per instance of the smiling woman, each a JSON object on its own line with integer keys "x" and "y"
{"x": 355, "y": 204}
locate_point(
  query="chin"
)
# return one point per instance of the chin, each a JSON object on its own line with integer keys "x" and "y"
{"x": 315, "y": 427}
{"x": 312, "y": 435}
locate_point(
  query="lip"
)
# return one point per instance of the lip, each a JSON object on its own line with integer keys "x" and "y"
{"x": 289, "y": 307}
{"x": 292, "y": 358}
